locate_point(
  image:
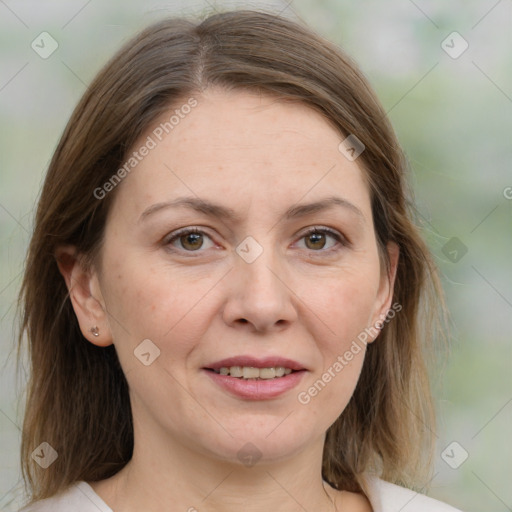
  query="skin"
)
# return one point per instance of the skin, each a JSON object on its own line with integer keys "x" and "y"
{"x": 303, "y": 298}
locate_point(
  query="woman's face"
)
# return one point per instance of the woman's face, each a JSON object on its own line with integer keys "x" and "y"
{"x": 250, "y": 283}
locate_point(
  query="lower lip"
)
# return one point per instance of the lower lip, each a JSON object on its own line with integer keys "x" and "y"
{"x": 262, "y": 389}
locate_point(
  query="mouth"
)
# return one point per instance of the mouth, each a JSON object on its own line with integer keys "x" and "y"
{"x": 252, "y": 378}
{"x": 252, "y": 372}
{"x": 250, "y": 367}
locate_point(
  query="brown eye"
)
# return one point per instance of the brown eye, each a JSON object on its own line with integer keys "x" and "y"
{"x": 188, "y": 240}
{"x": 191, "y": 241}
{"x": 315, "y": 240}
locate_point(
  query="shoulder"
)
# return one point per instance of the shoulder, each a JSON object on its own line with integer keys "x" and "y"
{"x": 79, "y": 497}
{"x": 387, "y": 497}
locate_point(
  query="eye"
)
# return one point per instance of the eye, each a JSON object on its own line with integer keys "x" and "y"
{"x": 190, "y": 239}
{"x": 315, "y": 239}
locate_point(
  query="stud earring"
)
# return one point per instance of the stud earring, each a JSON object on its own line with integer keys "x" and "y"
{"x": 95, "y": 331}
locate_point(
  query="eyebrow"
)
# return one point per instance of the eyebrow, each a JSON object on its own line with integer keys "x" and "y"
{"x": 225, "y": 213}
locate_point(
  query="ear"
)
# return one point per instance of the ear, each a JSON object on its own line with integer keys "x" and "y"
{"x": 85, "y": 295}
{"x": 386, "y": 287}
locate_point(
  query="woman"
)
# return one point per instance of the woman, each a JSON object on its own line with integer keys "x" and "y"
{"x": 225, "y": 295}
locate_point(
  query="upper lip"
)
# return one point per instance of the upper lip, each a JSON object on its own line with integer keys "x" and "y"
{"x": 267, "y": 362}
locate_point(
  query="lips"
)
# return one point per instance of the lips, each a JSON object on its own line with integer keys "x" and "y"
{"x": 267, "y": 362}
{"x": 288, "y": 374}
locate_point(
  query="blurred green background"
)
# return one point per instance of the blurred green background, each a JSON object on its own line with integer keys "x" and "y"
{"x": 452, "y": 110}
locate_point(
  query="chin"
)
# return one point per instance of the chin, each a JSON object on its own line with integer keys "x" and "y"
{"x": 259, "y": 442}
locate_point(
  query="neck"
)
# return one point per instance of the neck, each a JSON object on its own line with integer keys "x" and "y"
{"x": 180, "y": 478}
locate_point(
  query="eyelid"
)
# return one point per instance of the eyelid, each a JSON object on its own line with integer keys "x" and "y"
{"x": 340, "y": 237}
{"x": 174, "y": 235}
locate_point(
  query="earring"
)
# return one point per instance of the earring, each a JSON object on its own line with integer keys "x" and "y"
{"x": 95, "y": 331}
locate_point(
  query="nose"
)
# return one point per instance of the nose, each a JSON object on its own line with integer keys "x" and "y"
{"x": 260, "y": 297}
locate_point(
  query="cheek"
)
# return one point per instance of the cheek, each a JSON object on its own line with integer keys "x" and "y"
{"x": 345, "y": 305}
{"x": 155, "y": 303}
{"x": 345, "y": 310}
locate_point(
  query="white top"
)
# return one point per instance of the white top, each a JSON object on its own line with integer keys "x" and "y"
{"x": 383, "y": 496}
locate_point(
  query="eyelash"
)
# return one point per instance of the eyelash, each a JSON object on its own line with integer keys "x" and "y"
{"x": 322, "y": 230}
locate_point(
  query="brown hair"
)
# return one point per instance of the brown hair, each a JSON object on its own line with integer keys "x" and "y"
{"x": 77, "y": 394}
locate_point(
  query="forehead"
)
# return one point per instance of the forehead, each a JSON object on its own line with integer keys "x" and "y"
{"x": 242, "y": 146}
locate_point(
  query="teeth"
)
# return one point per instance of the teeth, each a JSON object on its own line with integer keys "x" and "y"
{"x": 267, "y": 373}
{"x": 235, "y": 371}
{"x": 249, "y": 372}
